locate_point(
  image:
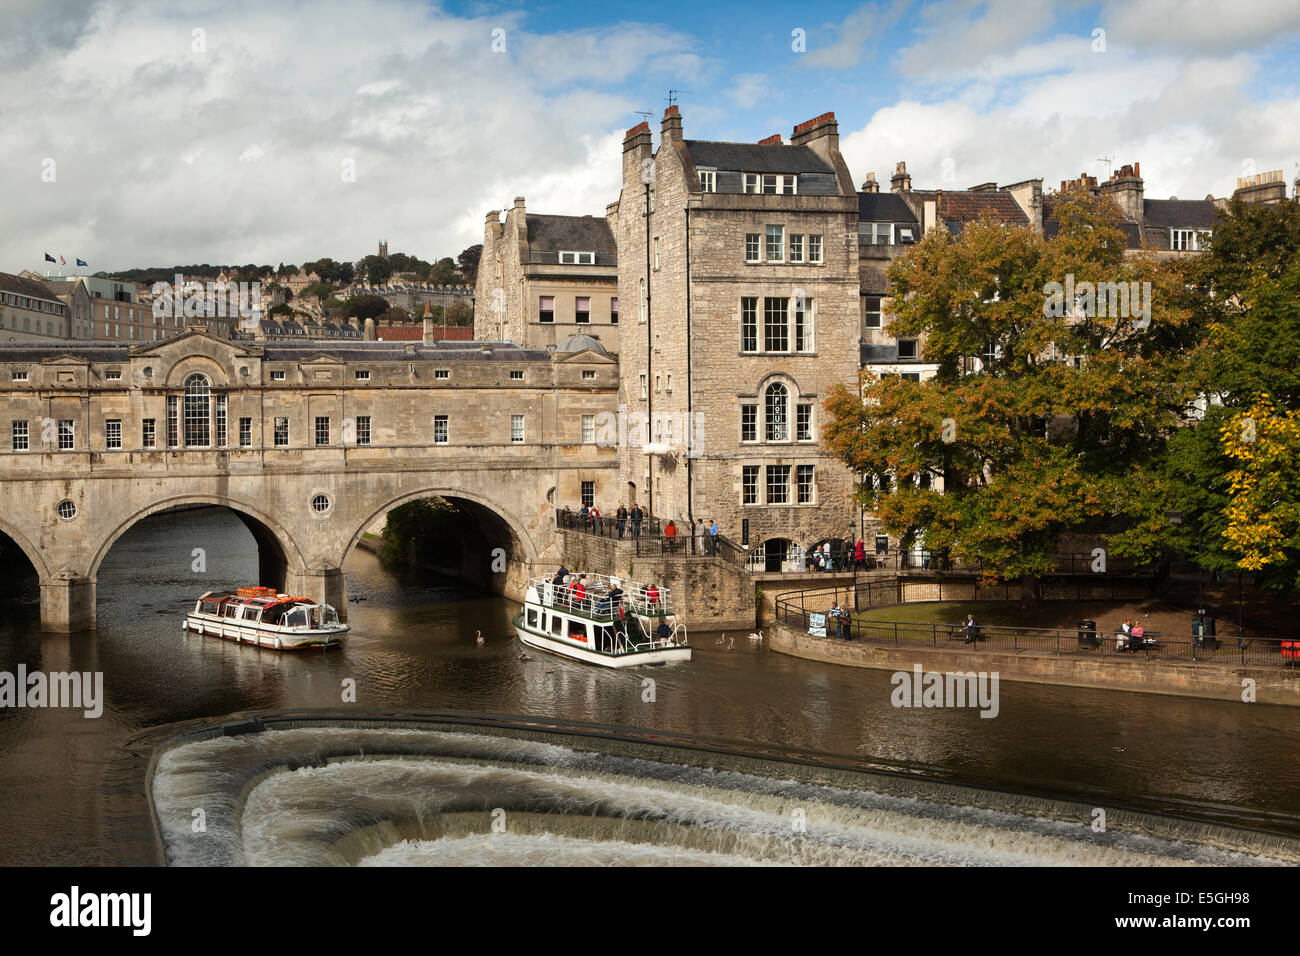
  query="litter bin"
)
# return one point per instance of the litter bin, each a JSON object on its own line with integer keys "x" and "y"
{"x": 1203, "y": 633}
{"x": 1088, "y": 635}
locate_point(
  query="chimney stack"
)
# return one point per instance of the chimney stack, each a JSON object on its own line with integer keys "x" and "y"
{"x": 869, "y": 185}
{"x": 636, "y": 150}
{"x": 428, "y": 324}
{"x": 1125, "y": 189}
{"x": 773, "y": 140}
{"x": 901, "y": 181}
{"x": 670, "y": 131}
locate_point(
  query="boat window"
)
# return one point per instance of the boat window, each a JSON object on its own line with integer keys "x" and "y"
{"x": 557, "y": 624}
{"x": 230, "y": 610}
{"x": 250, "y": 614}
{"x": 578, "y": 629}
{"x": 331, "y": 615}
{"x": 211, "y": 607}
{"x": 296, "y": 618}
{"x": 273, "y": 614}
{"x": 532, "y": 618}
{"x": 605, "y": 637}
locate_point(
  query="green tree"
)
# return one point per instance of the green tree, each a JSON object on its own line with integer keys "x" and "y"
{"x": 458, "y": 313}
{"x": 468, "y": 261}
{"x": 1042, "y": 412}
{"x": 367, "y": 306}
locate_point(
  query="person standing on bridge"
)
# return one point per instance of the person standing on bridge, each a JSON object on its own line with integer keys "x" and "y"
{"x": 713, "y": 536}
{"x": 621, "y": 518}
{"x": 637, "y": 515}
{"x": 699, "y": 536}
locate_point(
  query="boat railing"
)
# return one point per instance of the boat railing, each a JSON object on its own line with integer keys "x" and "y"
{"x": 593, "y": 599}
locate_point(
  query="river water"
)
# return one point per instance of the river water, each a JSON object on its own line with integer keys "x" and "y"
{"x": 415, "y": 647}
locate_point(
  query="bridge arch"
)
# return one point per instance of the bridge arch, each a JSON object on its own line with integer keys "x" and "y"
{"x": 268, "y": 532}
{"x": 33, "y": 553}
{"x": 513, "y": 523}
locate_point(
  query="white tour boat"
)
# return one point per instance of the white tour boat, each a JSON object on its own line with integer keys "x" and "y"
{"x": 261, "y": 616}
{"x": 605, "y": 621}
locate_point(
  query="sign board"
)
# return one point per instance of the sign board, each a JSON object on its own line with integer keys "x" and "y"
{"x": 817, "y": 625}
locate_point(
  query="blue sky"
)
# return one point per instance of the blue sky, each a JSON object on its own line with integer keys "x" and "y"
{"x": 194, "y": 131}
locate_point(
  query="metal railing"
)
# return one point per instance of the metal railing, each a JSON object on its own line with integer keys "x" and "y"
{"x": 843, "y": 559}
{"x": 649, "y": 538}
{"x": 796, "y": 609}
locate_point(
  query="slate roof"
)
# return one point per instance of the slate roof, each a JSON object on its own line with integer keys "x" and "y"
{"x": 753, "y": 158}
{"x": 90, "y": 351}
{"x": 579, "y": 343}
{"x": 1179, "y": 213}
{"x": 396, "y": 351}
{"x": 21, "y": 285}
{"x": 1052, "y": 226}
{"x": 550, "y": 235}
{"x": 883, "y": 207}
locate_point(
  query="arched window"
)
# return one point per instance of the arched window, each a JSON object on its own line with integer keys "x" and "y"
{"x": 777, "y": 403}
{"x": 198, "y": 412}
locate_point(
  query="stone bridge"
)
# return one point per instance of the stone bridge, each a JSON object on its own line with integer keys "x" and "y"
{"x": 307, "y": 443}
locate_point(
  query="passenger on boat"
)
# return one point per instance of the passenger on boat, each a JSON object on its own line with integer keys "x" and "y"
{"x": 560, "y": 575}
{"x": 663, "y": 631}
{"x": 652, "y": 595}
{"x": 579, "y": 589}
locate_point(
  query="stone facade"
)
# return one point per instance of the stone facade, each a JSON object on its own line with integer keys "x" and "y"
{"x": 530, "y": 261}
{"x": 320, "y": 440}
{"x": 684, "y": 270}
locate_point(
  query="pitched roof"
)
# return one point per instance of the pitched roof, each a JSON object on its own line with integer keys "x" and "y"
{"x": 415, "y": 333}
{"x": 550, "y": 235}
{"x": 1052, "y": 225}
{"x": 1179, "y": 213}
{"x": 755, "y": 158}
{"x": 21, "y": 285}
{"x": 884, "y": 207}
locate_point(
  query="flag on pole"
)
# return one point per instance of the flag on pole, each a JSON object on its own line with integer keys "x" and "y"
{"x": 62, "y": 261}
{"x": 49, "y": 258}
{"x": 82, "y": 262}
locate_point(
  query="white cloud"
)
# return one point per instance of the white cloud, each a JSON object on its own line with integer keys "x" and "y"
{"x": 1200, "y": 26}
{"x": 237, "y": 154}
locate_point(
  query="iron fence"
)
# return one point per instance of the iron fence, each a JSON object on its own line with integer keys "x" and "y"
{"x": 1100, "y": 642}
{"x": 649, "y": 538}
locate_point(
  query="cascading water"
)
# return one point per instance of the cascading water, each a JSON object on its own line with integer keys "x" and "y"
{"x": 391, "y": 796}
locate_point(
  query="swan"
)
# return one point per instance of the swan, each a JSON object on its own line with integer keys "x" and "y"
{"x": 756, "y": 636}
{"x": 722, "y": 640}
{"x": 478, "y": 637}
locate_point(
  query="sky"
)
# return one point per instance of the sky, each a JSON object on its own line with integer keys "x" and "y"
{"x": 138, "y": 134}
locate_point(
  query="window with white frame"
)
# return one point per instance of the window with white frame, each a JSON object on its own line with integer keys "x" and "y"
{"x": 803, "y": 422}
{"x": 708, "y": 180}
{"x": 871, "y": 311}
{"x": 876, "y": 233}
{"x": 656, "y": 253}
{"x": 362, "y": 375}
{"x": 749, "y": 324}
{"x": 815, "y": 248}
{"x": 112, "y": 433}
{"x": 441, "y": 431}
{"x": 578, "y": 258}
{"x": 749, "y": 485}
{"x": 442, "y": 373}
{"x": 588, "y": 494}
{"x": 1187, "y": 240}
{"x": 804, "y": 484}
{"x": 18, "y": 375}
{"x": 776, "y": 324}
{"x": 796, "y": 248}
{"x": 220, "y": 411}
{"x": 907, "y": 349}
{"x": 322, "y": 430}
{"x": 778, "y": 484}
{"x": 281, "y": 432}
{"x": 67, "y": 434}
{"x": 363, "y": 429}
{"x": 19, "y": 435}
{"x": 113, "y": 375}
{"x": 588, "y": 429}
{"x": 516, "y": 428}
{"x": 803, "y": 324}
{"x": 776, "y": 243}
{"x": 277, "y": 376}
{"x": 643, "y": 385}
{"x": 641, "y": 309}
{"x": 197, "y": 411}
{"x": 516, "y": 375}
{"x": 148, "y": 433}
{"x": 588, "y": 374}
{"x": 749, "y": 423}
{"x": 245, "y": 432}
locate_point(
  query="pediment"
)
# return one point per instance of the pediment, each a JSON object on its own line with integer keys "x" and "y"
{"x": 63, "y": 359}
{"x": 587, "y": 357}
{"x": 184, "y": 344}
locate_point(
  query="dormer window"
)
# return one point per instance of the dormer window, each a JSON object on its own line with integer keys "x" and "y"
{"x": 578, "y": 258}
{"x": 113, "y": 375}
{"x": 1187, "y": 240}
{"x": 708, "y": 180}
{"x": 772, "y": 184}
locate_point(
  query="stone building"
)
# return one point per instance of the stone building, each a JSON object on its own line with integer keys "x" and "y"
{"x": 31, "y": 312}
{"x": 542, "y": 278}
{"x": 739, "y": 264}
